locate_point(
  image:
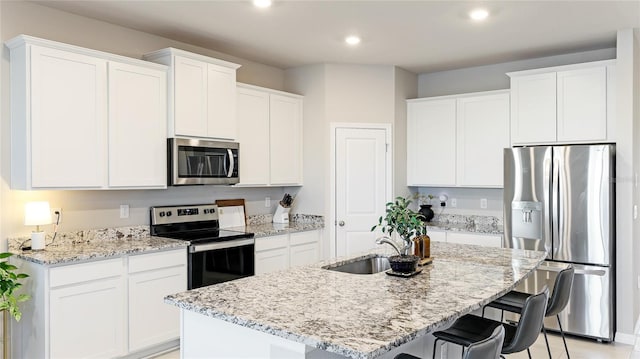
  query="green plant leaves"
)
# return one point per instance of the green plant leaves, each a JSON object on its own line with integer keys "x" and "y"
{"x": 9, "y": 283}
{"x": 401, "y": 219}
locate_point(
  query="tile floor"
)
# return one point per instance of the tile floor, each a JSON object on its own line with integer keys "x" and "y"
{"x": 578, "y": 348}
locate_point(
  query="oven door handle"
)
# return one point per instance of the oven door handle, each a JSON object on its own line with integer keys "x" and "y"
{"x": 220, "y": 245}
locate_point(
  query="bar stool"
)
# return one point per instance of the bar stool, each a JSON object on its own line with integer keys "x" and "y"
{"x": 469, "y": 328}
{"x": 488, "y": 348}
{"x": 514, "y": 301}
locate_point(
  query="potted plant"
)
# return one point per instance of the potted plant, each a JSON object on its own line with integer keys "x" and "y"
{"x": 10, "y": 281}
{"x": 424, "y": 201}
{"x": 400, "y": 219}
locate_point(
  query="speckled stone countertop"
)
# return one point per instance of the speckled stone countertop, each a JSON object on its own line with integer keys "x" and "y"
{"x": 261, "y": 226}
{"x": 467, "y": 223}
{"x": 364, "y": 316}
{"x": 80, "y": 246}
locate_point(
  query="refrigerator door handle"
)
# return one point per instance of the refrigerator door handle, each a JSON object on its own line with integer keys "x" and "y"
{"x": 556, "y": 205}
{"x": 590, "y": 272}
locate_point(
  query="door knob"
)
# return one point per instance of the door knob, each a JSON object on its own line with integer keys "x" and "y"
{"x": 341, "y": 223}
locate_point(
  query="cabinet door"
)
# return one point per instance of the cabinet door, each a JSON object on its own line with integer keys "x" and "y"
{"x": 253, "y": 136}
{"x": 68, "y": 119}
{"x": 304, "y": 248}
{"x": 437, "y": 236}
{"x": 582, "y": 104}
{"x": 221, "y": 102}
{"x": 285, "y": 133}
{"x": 483, "y": 133}
{"x": 272, "y": 253}
{"x": 533, "y": 108}
{"x": 87, "y": 320}
{"x": 431, "y": 143}
{"x": 151, "y": 321}
{"x": 190, "y": 97}
{"x": 475, "y": 238}
{"x": 137, "y": 126}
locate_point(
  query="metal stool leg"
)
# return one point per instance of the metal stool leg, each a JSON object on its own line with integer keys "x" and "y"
{"x": 563, "y": 339}
{"x": 434, "y": 348}
{"x": 546, "y": 341}
{"x": 529, "y": 352}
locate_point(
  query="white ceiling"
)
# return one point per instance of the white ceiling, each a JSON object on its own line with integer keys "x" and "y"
{"x": 420, "y": 36}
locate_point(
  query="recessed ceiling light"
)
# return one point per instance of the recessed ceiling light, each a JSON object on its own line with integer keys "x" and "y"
{"x": 352, "y": 40}
{"x": 479, "y": 14}
{"x": 262, "y": 3}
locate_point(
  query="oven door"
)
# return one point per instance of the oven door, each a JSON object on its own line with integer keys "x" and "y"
{"x": 218, "y": 262}
{"x": 193, "y": 162}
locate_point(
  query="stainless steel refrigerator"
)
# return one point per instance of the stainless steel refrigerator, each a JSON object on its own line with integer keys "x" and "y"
{"x": 561, "y": 199}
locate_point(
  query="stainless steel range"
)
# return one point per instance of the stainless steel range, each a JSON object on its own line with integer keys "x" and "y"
{"x": 215, "y": 255}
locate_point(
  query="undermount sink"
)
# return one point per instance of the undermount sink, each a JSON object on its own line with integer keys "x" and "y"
{"x": 368, "y": 265}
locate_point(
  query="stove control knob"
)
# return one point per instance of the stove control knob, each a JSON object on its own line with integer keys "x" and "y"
{"x": 168, "y": 213}
{"x": 212, "y": 210}
{"x": 161, "y": 214}
{"x": 206, "y": 211}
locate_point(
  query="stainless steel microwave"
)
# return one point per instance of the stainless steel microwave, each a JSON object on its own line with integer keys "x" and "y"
{"x": 197, "y": 162}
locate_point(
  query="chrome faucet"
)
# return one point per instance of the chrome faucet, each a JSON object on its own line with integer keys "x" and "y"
{"x": 387, "y": 240}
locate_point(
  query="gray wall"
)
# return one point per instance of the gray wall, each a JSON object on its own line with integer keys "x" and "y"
{"x": 93, "y": 209}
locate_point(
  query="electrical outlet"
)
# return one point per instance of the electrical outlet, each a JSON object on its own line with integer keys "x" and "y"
{"x": 483, "y": 203}
{"x": 267, "y": 202}
{"x": 124, "y": 211}
{"x": 56, "y": 215}
{"x": 453, "y": 202}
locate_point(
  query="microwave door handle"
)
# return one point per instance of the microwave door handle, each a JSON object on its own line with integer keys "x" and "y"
{"x": 232, "y": 163}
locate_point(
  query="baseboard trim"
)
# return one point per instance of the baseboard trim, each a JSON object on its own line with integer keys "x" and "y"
{"x": 625, "y": 338}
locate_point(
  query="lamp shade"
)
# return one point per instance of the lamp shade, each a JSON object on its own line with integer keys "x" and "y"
{"x": 37, "y": 213}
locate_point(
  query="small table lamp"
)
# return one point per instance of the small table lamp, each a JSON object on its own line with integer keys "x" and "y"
{"x": 36, "y": 214}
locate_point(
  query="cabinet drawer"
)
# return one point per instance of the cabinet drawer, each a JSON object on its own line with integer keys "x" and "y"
{"x": 304, "y": 237}
{"x": 85, "y": 272}
{"x": 272, "y": 242}
{"x": 165, "y": 259}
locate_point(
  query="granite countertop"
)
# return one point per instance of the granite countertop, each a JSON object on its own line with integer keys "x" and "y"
{"x": 73, "y": 247}
{"x": 261, "y": 226}
{"x": 364, "y": 316}
{"x": 466, "y": 227}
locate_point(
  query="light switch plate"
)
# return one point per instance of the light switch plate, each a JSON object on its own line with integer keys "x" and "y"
{"x": 483, "y": 203}
{"x": 454, "y": 202}
{"x": 124, "y": 211}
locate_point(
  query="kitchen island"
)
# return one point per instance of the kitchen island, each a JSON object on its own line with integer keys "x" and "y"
{"x": 312, "y": 312}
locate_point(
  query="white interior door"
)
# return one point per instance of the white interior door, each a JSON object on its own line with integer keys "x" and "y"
{"x": 361, "y": 186}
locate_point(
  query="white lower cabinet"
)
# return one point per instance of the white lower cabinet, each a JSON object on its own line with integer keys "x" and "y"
{"x": 285, "y": 251}
{"x": 151, "y": 278}
{"x": 272, "y": 253}
{"x": 480, "y": 239}
{"x": 87, "y": 318}
{"x": 437, "y": 236}
{"x": 104, "y": 309}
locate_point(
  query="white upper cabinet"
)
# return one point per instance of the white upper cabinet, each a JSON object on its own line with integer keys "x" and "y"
{"x": 253, "y": 130}
{"x": 483, "y": 134}
{"x": 85, "y": 119}
{"x": 582, "y": 104}
{"x": 565, "y": 104}
{"x": 67, "y": 118}
{"x": 202, "y": 94}
{"x": 431, "y": 142}
{"x": 285, "y": 136}
{"x": 270, "y": 137}
{"x": 137, "y": 126}
{"x": 533, "y": 108}
{"x": 457, "y": 141}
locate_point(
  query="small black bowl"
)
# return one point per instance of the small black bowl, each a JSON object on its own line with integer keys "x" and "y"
{"x": 404, "y": 264}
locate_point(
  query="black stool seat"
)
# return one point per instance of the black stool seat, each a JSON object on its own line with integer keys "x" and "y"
{"x": 470, "y": 329}
{"x": 511, "y": 302}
